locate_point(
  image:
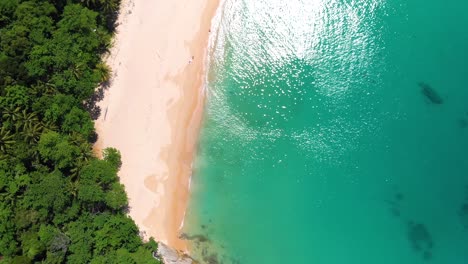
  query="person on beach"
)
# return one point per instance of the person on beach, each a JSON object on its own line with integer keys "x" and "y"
{"x": 190, "y": 61}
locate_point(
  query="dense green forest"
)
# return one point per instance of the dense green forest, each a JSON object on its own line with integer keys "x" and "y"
{"x": 58, "y": 202}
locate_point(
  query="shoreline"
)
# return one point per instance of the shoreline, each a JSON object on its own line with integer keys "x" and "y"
{"x": 152, "y": 110}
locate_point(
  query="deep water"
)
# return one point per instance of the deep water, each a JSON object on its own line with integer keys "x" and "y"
{"x": 336, "y": 132}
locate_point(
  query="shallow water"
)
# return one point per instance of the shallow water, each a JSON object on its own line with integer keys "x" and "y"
{"x": 319, "y": 144}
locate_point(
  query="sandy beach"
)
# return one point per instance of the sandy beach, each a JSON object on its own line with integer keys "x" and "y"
{"x": 152, "y": 110}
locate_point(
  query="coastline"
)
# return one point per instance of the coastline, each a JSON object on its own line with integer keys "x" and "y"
{"x": 152, "y": 110}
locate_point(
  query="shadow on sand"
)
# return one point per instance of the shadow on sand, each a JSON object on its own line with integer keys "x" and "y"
{"x": 91, "y": 104}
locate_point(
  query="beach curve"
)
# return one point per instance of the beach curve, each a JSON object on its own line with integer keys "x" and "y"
{"x": 152, "y": 109}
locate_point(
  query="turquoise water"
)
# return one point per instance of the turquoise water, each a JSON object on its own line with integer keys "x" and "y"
{"x": 318, "y": 145}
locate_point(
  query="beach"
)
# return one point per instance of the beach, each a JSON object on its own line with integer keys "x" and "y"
{"x": 152, "y": 109}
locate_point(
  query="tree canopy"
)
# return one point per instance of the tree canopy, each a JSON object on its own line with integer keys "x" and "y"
{"x": 58, "y": 202}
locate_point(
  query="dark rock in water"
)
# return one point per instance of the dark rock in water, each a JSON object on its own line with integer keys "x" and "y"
{"x": 420, "y": 239}
{"x": 212, "y": 259}
{"x": 399, "y": 196}
{"x": 395, "y": 204}
{"x": 463, "y": 123}
{"x": 463, "y": 214}
{"x": 235, "y": 261}
{"x": 200, "y": 238}
{"x": 427, "y": 255}
{"x": 430, "y": 93}
{"x": 395, "y": 212}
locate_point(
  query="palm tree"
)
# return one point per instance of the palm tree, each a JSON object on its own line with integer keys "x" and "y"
{"x": 50, "y": 125}
{"x": 76, "y": 139}
{"x": 6, "y": 140}
{"x": 109, "y": 6}
{"x": 73, "y": 188}
{"x": 89, "y": 3}
{"x": 25, "y": 119}
{"x": 78, "y": 69}
{"x": 85, "y": 153}
{"x": 84, "y": 156}
{"x": 10, "y": 113}
{"x": 32, "y": 133}
{"x": 42, "y": 88}
{"x": 103, "y": 71}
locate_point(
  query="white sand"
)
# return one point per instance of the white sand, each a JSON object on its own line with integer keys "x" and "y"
{"x": 152, "y": 110}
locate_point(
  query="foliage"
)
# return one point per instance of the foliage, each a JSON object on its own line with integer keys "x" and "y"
{"x": 56, "y": 148}
{"x": 58, "y": 202}
{"x": 112, "y": 156}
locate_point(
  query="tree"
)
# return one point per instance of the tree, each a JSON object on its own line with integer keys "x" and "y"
{"x": 58, "y": 202}
{"x": 55, "y": 148}
{"x": 113, "y": 157}
{"x": 13, "y": 179}
{"x": 8, "y": 244}
{"x": 40, "y": 88}
{"x": 25, "y": 120}
{"x": 26, "y": 218}
{"x": 16, "y": 96}
{"x": 88, "y": 3}
{"x": 32, "y": 133}
{"x": 144, "y": 256}
{"x": 116, "y": 198}
{"x": 78, "y": 121}
{"x": 116, "y": 232}
{"x": 66, "y": 58}
{"x": 56, "y": 242}
{"x": 84, "y": 156}
{"x": 95, "y": 179}
{"x": 31, "y": 25}
{"x": 7, "y": 9}
{"x": 103, "y": 72}
{"x": 31, "y": 245}
{"x": 78, "y": 69}
{"x": 80, "y": 233}
{"x": 10, "y": 112}
{"x": 100, "y": 173}
{"x": 109, "y": 6}
{"x": 6, "y": 140}
{"x": 55, "y": 108}
{"x": 49, "y": 195}
{"x": 90, "y": 194}
{"x": 21, "y": 260}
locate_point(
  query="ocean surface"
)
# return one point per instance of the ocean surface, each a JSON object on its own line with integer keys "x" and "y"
{"x": 335, "y": 132}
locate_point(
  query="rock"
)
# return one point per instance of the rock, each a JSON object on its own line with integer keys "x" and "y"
{"x": 200, "y": 238}
{"x": 420, "y": 239}
{"x": 171, "y": 256}
{"x": 462, "y": 123}
{"x": 430, "y": 93}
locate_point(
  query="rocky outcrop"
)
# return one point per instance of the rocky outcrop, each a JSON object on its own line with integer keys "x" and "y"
{"x": 170, "y": 256}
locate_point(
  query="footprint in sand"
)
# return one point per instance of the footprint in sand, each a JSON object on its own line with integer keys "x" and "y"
{"x": 154, "y": 184}
{"x": 151, "y": 183}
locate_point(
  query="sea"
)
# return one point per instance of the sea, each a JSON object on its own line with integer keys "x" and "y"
{"x": 335, "y": 132}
